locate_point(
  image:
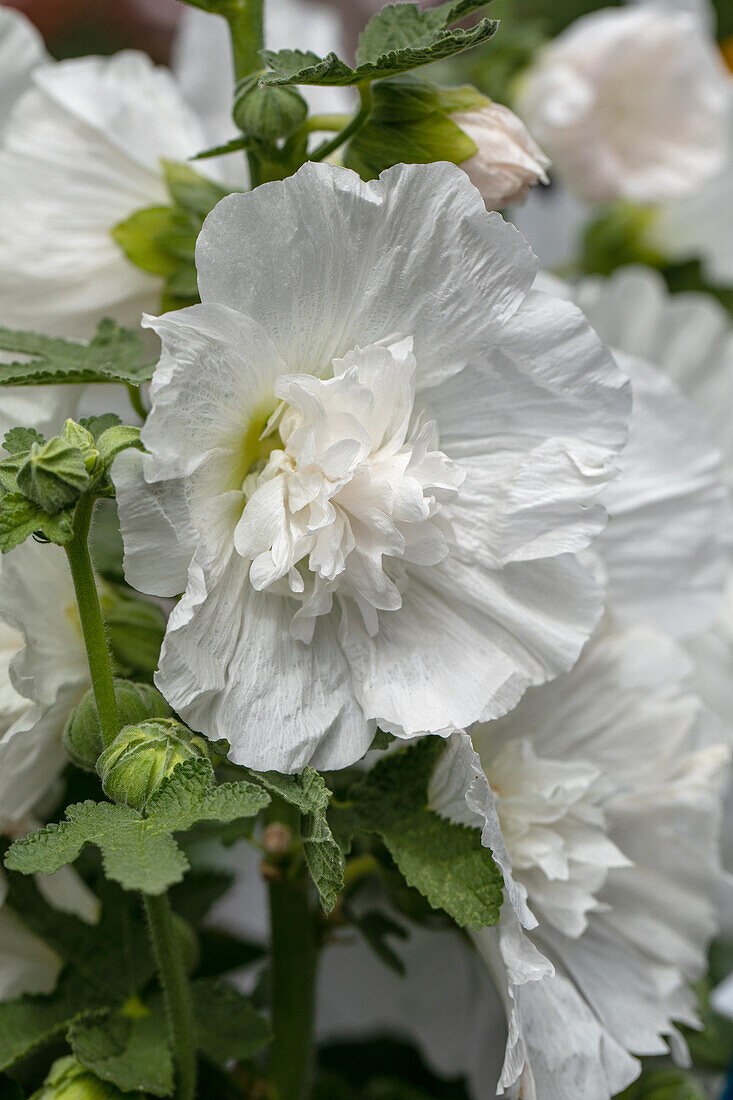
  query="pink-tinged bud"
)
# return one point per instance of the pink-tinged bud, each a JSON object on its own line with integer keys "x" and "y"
{"x": 508, "y": 160}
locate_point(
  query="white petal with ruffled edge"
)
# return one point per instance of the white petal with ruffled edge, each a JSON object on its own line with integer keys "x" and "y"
{"x": 296, "y": 441}
{"x": 21, "y": 49}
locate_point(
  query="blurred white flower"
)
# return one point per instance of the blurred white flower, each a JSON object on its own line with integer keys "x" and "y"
{"x": 386, "y": 419}
{"x": 508, "y": 161}
{"x": 44, "y": 674}
{"x": 21, "y": 49}
{"x": 80, "y": 154}
{"x": 631, "y": 103}
{"x": 664, "y": 554}
{"x": 702, "y": 226}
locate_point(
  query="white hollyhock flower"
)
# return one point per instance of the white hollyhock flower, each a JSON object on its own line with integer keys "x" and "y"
{"x": 44, "y": 674}
{"x": 630, "y": 103}
{"x": 508, "y": 160}
{"x": 373, "y": 454}
{"x": 608, "y": 786}
{"x": 80, "y": 154}
{"x": 21, "y": 49}
{"x": 664, "y": 553}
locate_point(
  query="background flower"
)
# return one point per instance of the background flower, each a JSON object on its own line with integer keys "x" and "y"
{"x": 629, "y": 103}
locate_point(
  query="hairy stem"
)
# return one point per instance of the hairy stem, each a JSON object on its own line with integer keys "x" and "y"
{"x": 245, "y": 18}
{"x": 327, "y": 147}
{"x": 92, "y": 625}
{"x": 293, "y": 962}
{"x": 176, "y": 991}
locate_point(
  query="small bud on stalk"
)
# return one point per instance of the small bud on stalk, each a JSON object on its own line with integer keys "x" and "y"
{"x": 267, "y": 113}
{"x": 142, "y": 756}
{"x": 508, "y": 160}
{"x": 82, "y": 735}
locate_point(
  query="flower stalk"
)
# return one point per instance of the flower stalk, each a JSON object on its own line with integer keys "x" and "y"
{"x": 173, "y": 979}
{"x": 176, "y": 992}
{"x": 92, "y": 624}
{"x": 365, "y": 106}
{"x": 294, "y": 962}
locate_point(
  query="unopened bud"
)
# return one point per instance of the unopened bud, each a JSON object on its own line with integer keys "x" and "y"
{"x": 53, "y": 475}
{"x": 69, "y": 1080}
{"x": 81, "y": 438}
{"x": 268, "y": 113}
{"x": 143, "y": 755}
{"x": 82, "y": 735}
{"x": 508, "y": 161}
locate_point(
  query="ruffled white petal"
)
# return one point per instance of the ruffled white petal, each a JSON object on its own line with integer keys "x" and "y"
{"x": 664, "y": 548}
{"x": 230, "y": 667}
{"x": 343, "y": 264}
{"x": 689, "y": 336}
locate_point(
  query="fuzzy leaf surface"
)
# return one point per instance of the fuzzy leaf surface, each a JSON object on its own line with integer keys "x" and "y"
{"x": 399, "y": 38}
{"x": 114, "y": 354}
{"x": 445, "y": 862}
{"x": 20, "y": 518}
{"x": 130, "y": 1052}
{"x": 227, "y": 1025}
{"x": 310, "y": 795}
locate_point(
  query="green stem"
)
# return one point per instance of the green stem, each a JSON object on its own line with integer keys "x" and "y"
{"x": 136, "y": 400}
{"x": 176, "y": 991}
{"x": 327, "y": 147}
{"x": 293, "y": 963}
{"x": 316, "y": 123}
{"x": 246, "y": 18}
{"x": 92, "y": 625}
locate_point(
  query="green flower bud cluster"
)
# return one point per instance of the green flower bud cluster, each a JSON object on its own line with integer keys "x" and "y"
{"x": 133, "y": 767}
{"x": 42, "y": 480}
{"x": 69, "y": 1080}
{"x": 270, "y": 113}
{"x": 82, "y": 736}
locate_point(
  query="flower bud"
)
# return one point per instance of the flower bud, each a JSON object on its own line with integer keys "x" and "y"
{"x": 508, "y": 161}
{"x": 81, "y": 438}
{"x": 267, "y": 113}
{"x": 82, "y": 736}
{"x": 68, "y": 1080}
{"x": 142, "y": 756}
{"x": 53, "y": 475}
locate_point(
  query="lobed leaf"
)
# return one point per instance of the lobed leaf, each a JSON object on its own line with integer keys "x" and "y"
{"x": 20, "y": 518}
{"x": 397, "y": 39}
{"x": 30, "y": 1021}
{"x": 187, "y": 797}
{"x": 114, "y": 354}
{"x": 130, "y": 1051}
{"x": 226, "y": 1023}
{"x": 445, "y": 862}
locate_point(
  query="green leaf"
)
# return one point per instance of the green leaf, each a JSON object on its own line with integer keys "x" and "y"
{"x": 30, "y": 1021}
{"x": 445, "y": 862}
{"x": 664, "y": 1084}
{"x": 96, "y": 425}
{"x": 227, "y": 1025}
{"x": 115, "y": 439}
{"x": 141, "y": 238}
{"x": 139, "y": 852}
{"x": 185, "y": 798}
{"x": 134, "y": 853}
{"x": 130, "y": 1051}
{"x": 190, "y": 190}
{"x": 114, "y": 354}
{"x": 408, "y": 124}
{"x": 20, "y": 518}
{"x": 310, "y": 795}
{"x": 397, "y": 39}
{"x": 404, "y": 26}
{"x": 376, "y": 927}
{"x": 20, "y": 440}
